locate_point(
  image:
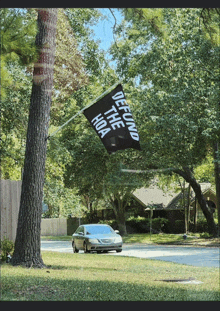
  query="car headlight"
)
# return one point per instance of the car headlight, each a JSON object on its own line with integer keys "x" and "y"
{"x": 95, "y": 241}
{"x": 118, "y": 239}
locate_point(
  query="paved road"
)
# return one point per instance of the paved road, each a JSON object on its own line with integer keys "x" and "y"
{"x": 195, "y": 256}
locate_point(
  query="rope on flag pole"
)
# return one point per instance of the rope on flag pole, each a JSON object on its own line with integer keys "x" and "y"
{"x": 94, "y": 101}
{"x": 147, "y": 171}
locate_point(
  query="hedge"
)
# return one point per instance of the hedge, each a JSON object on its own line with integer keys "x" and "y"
{"x": 139, "y": 224}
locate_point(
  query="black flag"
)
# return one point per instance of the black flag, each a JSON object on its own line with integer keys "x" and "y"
{"x": 113, "y": 122}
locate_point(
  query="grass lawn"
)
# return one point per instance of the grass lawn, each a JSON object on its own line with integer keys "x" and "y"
{"x": 175, "y": 239}
{"x": 80, "y": 277}
{"x": 161, "y": 238}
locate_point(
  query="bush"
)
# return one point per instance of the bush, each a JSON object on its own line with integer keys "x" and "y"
{"x": 205, "y": 235}
{"x": 159, "y": 223}
{"x": 179, "y": 226}
{"x": 202, "y": 226}
{"x": 7, "y": 248}
{"x": 138, "y": 224}
{"x": 142, "y": 224}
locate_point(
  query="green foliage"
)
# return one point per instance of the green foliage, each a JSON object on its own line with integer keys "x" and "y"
{"x": 201, "y": 226}
{"x": 142, "y": 17}
{"x": 112, "y": 223}
{"x": 142, "y": 225}
{"x": 159, "y": 223}
{"x": 210, "y": 23}
{"x": 18, "y": 31}
{"x": 69, "y": 68}
{"x": 173, "y": 83}
{"x": 138, "y": 224}
{"x": 7, "y": 248}
{"x": 179, "y": 226}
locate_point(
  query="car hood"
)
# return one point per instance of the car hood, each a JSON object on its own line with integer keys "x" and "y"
{"x": 102, "y": 236}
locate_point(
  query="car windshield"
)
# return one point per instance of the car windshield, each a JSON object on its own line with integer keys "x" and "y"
{"x": 98, "y": 230}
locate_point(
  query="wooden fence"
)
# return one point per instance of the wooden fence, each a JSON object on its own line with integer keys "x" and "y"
{"x": 54, "y": 226}
{"x": 10, "y": 192}
{"x": 10, "y": 200}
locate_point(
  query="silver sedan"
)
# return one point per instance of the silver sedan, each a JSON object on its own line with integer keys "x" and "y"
{"x": 96, "y": 237}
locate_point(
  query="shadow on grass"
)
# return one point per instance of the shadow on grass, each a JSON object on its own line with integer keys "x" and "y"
{"x": 62, "y": 267}
{"x": 29, "y": 288}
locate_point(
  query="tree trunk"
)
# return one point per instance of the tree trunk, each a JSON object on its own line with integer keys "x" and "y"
{"x": 187, "y": 175}
{"x": 195, "y": 215}
{"x": 120, "y": 218}
{"x": 187, "y": 208}
{"x": 217, "y": 180}
{"x": 27, "y": 245}
{"x": 119, "y": 210}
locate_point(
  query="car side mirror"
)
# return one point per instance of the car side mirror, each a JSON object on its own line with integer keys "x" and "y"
{"x": 116, "y": 231}
{"x": 81, "y": 233}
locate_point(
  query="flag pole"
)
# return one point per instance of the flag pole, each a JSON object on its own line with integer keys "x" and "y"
{"x": 93, "y": 102}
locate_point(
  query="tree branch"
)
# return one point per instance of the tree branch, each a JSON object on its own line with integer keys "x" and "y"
{"x": 114, "y": 28}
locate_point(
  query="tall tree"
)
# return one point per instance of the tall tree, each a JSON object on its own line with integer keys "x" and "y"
{"x": 176, "y": 74}
{"x": 27, "y": 245}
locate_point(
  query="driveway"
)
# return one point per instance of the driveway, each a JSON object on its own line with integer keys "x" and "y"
{"x": 195, "y": 256}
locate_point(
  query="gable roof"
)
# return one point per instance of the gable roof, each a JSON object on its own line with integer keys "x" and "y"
{"x": 153, "y": 196}
{"x": 161, "y": 199}
{"x": 176, "y": 202}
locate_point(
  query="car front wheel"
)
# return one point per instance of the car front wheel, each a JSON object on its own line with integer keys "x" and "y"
{"x": 75, "y": 250}
{"x": 85, "y": 248}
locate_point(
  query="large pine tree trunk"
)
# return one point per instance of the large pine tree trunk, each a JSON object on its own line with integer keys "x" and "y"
{"x": 27, "y": 245}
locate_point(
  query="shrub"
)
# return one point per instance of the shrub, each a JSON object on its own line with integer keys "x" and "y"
{"x": 142, "y": 225}
{"x": 202, "y": 226}
{"x": 205, "y": 235}
{"x": 179, "y": 226}
{"x": 138, "y": 224}
{"x": 7, "y": 248}
{"x": 159, "y": 223}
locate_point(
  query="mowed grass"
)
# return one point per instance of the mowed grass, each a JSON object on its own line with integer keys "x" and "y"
{"x": 95, "y": 277}
{"x": 193, "y": 239}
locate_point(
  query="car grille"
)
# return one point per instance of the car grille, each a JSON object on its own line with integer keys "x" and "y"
{"x": 107, "y": 241}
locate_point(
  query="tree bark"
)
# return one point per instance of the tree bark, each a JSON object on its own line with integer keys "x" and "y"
{"x": 119, "y": 210}
{"x": 195, "y": 215}
{"x": 27, "y": 245}
{"x": 188, "y": 176}
{"x": 217, "y": 180}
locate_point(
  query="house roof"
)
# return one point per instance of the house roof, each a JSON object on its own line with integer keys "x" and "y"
{"x": 176, "y": 202}
{"x": 161, "y": 199}
{"x": 153, "y": 196}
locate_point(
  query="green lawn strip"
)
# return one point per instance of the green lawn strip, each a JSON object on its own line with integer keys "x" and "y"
{"x": 79, "y": 277}
{"x": 171, "y": 239}
{"x": 161, "y": 238}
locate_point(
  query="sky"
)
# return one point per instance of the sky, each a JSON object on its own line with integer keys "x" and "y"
{"x": 104, "y": 29}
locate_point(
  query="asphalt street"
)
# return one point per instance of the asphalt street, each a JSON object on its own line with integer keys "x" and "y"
{"x": 195, "y": 256}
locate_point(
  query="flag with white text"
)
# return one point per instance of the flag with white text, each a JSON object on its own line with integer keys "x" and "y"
{"x": 112, "y": 120}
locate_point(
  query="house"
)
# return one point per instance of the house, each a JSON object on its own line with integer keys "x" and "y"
{"x": 171, "y": 205}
